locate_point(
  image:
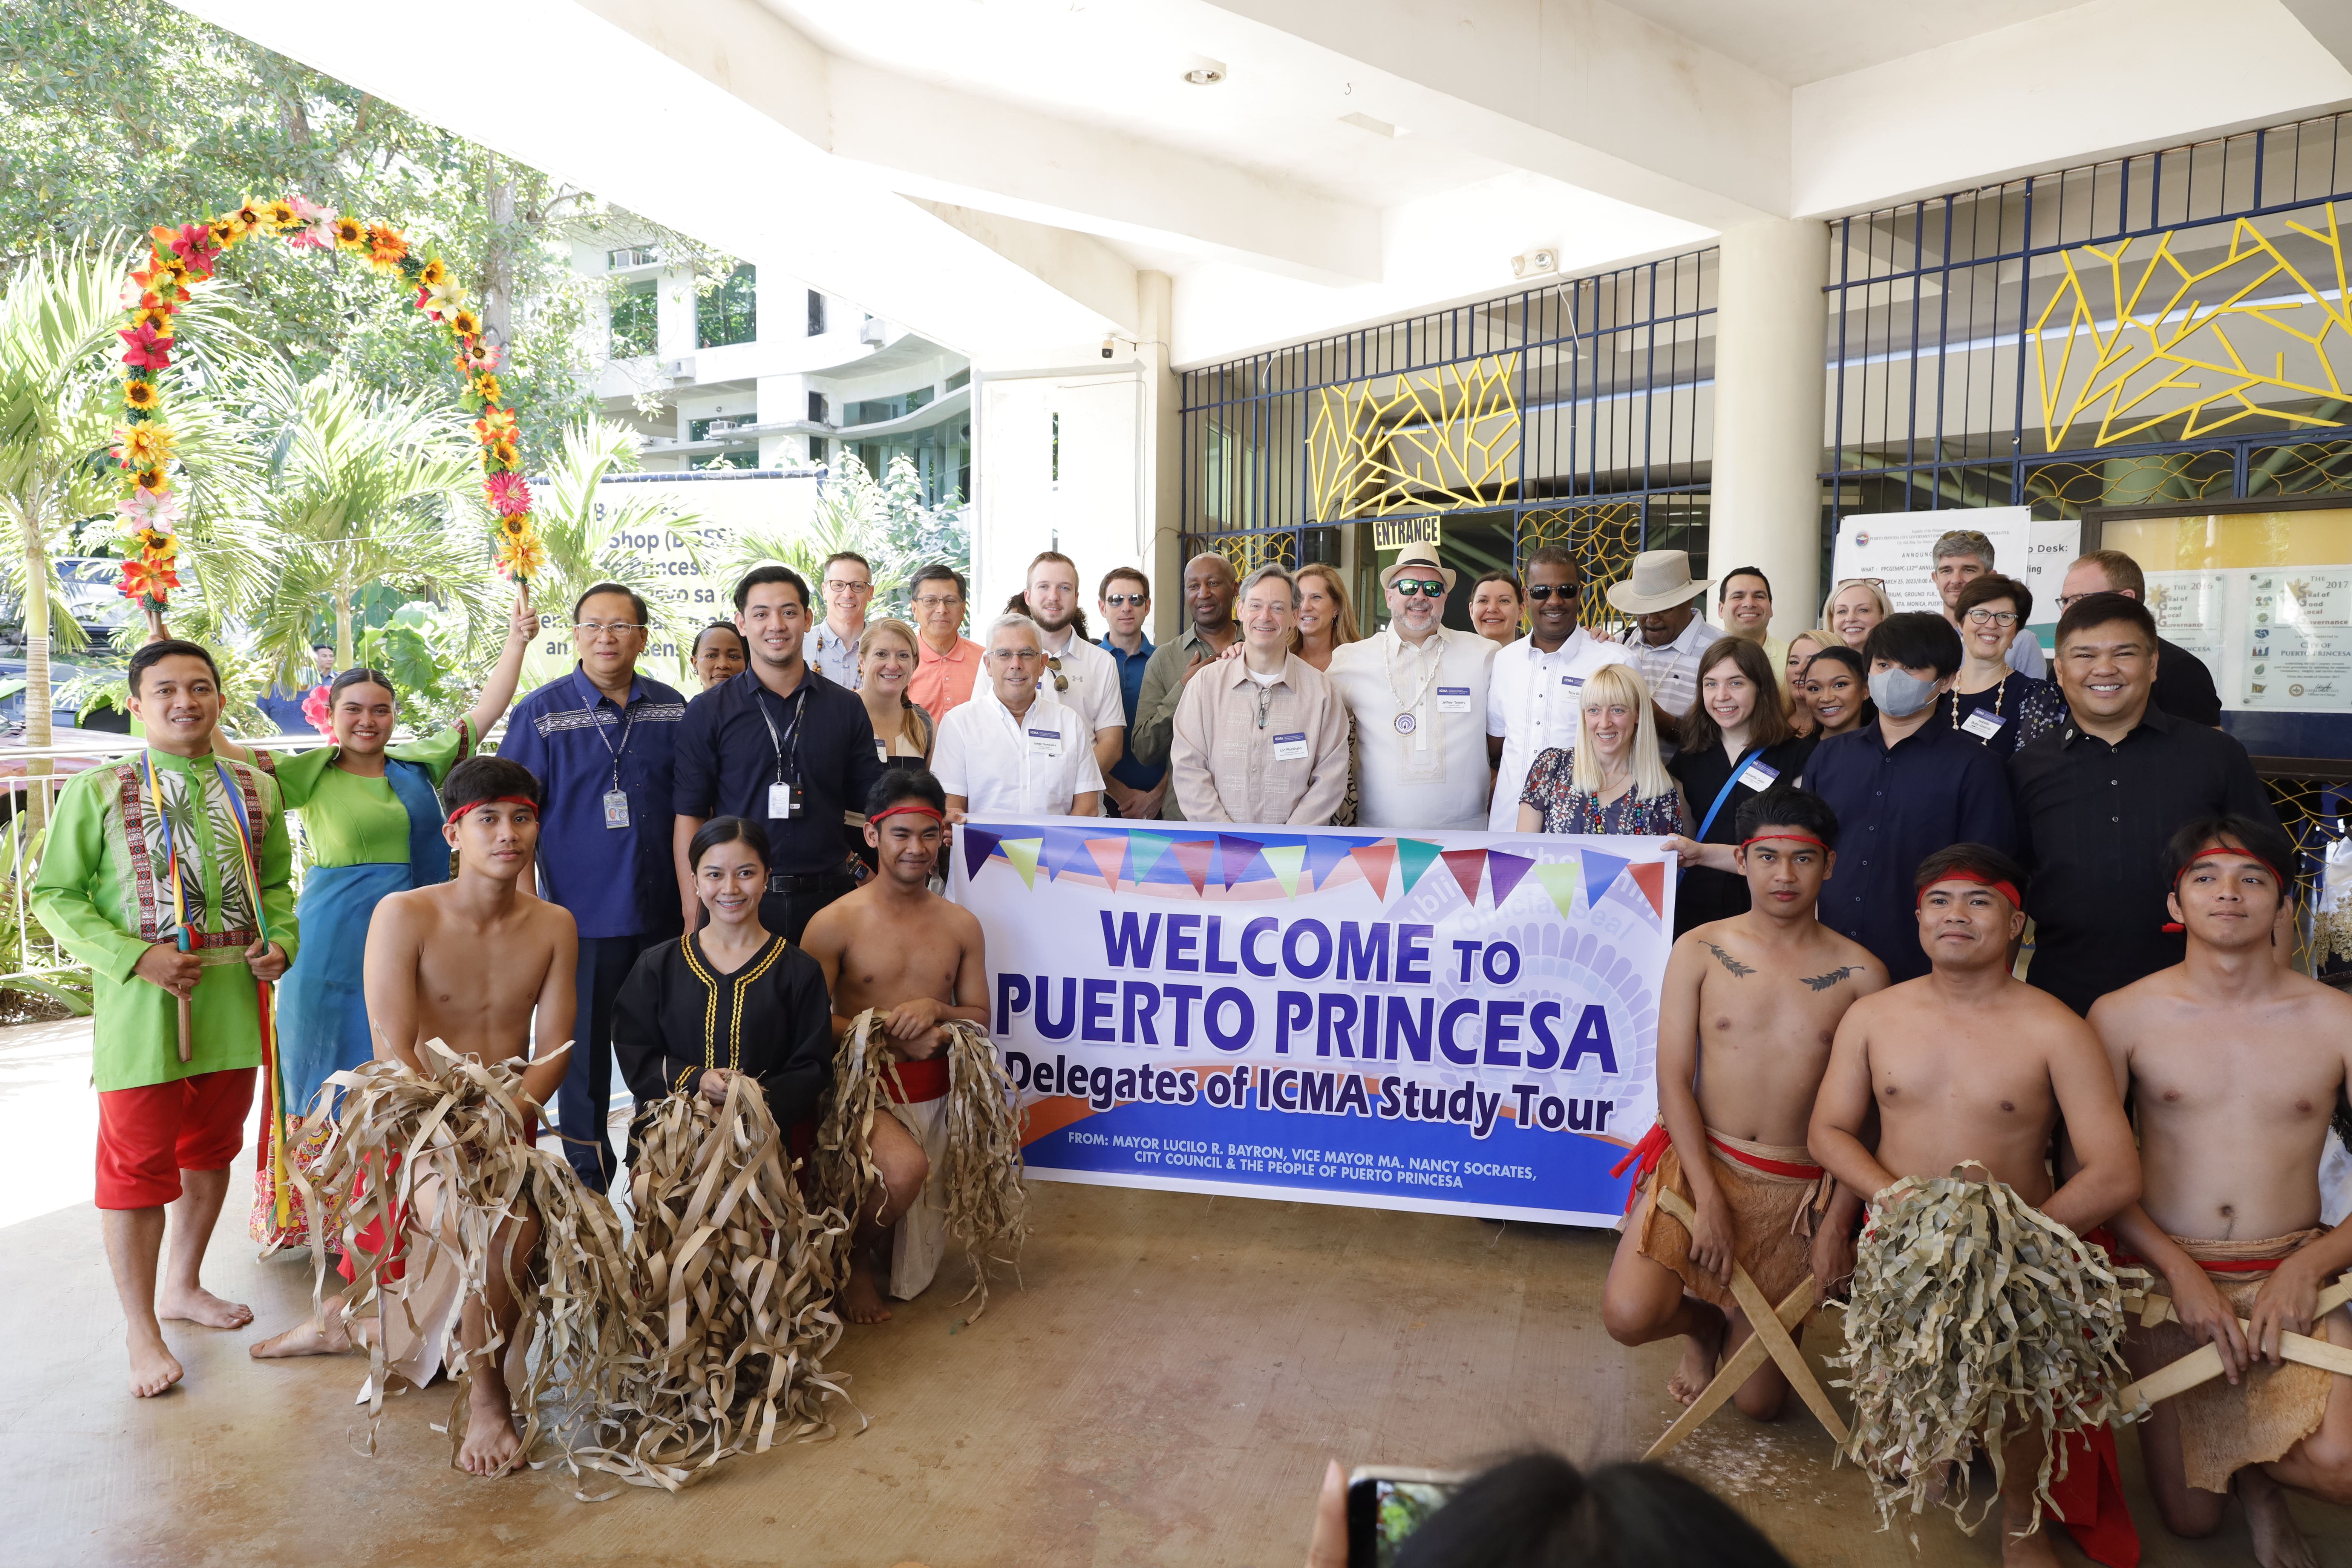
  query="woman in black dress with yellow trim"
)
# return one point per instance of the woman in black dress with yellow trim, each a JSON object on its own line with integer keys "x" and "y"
{"x": 731, "y": 998}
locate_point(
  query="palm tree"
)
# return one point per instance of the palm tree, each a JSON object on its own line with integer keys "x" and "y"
{"x": 851, "y": 513}
{"x": 358, "y": 488}
{"x": 585, "y": 528}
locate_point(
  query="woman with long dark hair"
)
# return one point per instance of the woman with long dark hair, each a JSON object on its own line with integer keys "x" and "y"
{"x": 1737, "y": 744}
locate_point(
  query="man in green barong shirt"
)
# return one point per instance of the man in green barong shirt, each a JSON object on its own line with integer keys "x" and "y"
{"x": 133, "y": 847}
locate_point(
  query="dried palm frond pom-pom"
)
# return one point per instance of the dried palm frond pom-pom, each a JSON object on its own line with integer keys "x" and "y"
{"x": 987, "y": 1206}
{"x": 1974, "y": 1319}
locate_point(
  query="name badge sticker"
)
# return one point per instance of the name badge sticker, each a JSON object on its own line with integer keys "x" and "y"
{"x": 1758, "y": 777}
{"x": 1574, "y": 682}
{"x": 1291, "y": 748}
{"x": 1984, "y": 723}
{"x": 1045, "y": 743}
{"x": 1453, "y": 699}
{"x": 881, "y": 751}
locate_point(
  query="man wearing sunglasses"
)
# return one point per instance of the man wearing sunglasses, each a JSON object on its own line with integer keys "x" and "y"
{"x": 1418, "y": 692}
{"x": 1537, "y": 685}
{"x": 1131, "y": 787}
{"x": 1080, "y": 675}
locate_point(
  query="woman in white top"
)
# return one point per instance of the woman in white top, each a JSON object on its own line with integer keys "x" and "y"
{"x": 1015, "y": 750}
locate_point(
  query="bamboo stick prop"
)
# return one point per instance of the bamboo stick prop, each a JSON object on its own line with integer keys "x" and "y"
{"x": 1794, "y": 1308}
{"x": 2203, "y": 1364}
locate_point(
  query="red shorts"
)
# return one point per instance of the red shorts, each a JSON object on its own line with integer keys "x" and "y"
{"x": 148, "y": 1135}
{"x": 369, "y": 1239}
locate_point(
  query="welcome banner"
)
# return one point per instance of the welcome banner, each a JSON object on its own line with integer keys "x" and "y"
{"x": 1464, "y": 1022}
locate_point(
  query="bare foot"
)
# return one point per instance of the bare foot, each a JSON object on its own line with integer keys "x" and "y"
{"x": 308, "y": 1337}
{"x": 1701, "y": 1353}
{"x": 2032, "y": 1551}
{"x": 491, "y": 1442}
{"x": 154, "y": 1367}
{"x": 860, "y": 1297}
{"x": 2277, "y": 1543}
{"x": 201, "y": 1306}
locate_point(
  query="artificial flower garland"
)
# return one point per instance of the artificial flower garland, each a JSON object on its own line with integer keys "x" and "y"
{"x": 187, "y": 255}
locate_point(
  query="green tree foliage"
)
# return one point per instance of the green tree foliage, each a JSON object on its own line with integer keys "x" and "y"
{"x": 587, "y": 529}
{"x": 887, "y": 523}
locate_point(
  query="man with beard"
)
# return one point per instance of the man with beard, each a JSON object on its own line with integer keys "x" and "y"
{"x": 1082, "y": 675}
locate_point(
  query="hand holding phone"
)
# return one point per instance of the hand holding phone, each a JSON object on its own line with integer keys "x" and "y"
{"x": 1387, "y": 1503}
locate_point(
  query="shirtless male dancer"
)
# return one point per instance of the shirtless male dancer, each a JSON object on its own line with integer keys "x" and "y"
{"x": 1750, "y": 1007}
{"x": 895, "y": 945}
{"x": 1968, "y": 1064}
{"x": 473, "y": 964}
{"x": 2235, "y": 1067}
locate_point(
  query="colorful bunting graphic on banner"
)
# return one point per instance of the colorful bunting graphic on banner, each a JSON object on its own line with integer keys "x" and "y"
{"x": 1143, "y": 851}
{"x": 1504, "y": 873}
{"x": 1376, "y": 861}
{"x": 977, "y": 848}
{"x": 1194, "y": 857}
{"x": 1286, "y": 861}
{"x": 1326, "y": 854}
{"x": 1414, "y": 856}
{"x": 1065, "y": 850}
{"x": 1558, "y": 880}
{"x": 1466, "y": 864}
{"x": 1233, "y": 857}
{"x": 1651, "y": 877}
{"x": 1022, "y": 853}
{"x": 1600, "y": 873}
{"x": 1110, "y": 855}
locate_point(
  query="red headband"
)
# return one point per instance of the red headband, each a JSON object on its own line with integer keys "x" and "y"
{"x": 914, "y": 807}
{"x": 1791, "y": 837}
{"x": 493, "y": 800}
{"x": 2006, "y": 890}
{"x": 2173, "y": 928}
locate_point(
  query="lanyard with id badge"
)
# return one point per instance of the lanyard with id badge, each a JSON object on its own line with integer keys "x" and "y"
{"x": 616, "y": 799}
{"x": 785, "y": 801}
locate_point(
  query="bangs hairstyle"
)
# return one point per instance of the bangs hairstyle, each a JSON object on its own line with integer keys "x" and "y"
{"x": 361, "y": 675}
{"x": 1343, "y": 609}
{"x": 2105, "y": 609}
{"x": 1767, "y": 724}
{"x": 1992, "y": 585}
{"x": 1620, "y": 683}
{"x": 1786, "y": 806}
{"x": 1877, "y": 595}
{"x": 1916, "y": 639}
{"x": 903, "y": 782}
{"x": 2228, "y": 830}
{"x": 154, "y": 653}
{"x": 728, "y": 830}
{"x": 1981, "y": 858}
{"x": 479, "y": 779}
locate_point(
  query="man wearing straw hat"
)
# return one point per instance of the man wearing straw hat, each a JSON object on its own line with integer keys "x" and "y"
{"x": 170, "y": 874}
{"x": 1669, "y": 634}
{"x": 1418, "y": 692}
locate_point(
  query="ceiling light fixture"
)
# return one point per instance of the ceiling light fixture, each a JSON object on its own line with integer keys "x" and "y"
{"x": 1208, "y": 73}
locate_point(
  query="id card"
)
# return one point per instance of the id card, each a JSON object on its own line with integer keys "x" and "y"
{"x": 1453, "y": 699}
{"x": 1984, "y": 723}
{"x": 1291, "y": 748}
{"x": 1758, "y": 777}
{"x": 616, "y": 808}
{"x": 784, "y": 800}
{"x": 881, "y": 754}
{"x": 1045, "y": 743}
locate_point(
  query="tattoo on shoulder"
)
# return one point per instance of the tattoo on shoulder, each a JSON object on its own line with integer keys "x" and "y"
{"x": 1739, "y": 970}
{"x": 1824, "y": 982}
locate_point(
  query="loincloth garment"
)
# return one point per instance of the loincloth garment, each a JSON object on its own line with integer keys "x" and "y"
{"x": 919, "y": 1240}
{"x": 1773, "y": 1191}
{"x": 2223, "y": 1429}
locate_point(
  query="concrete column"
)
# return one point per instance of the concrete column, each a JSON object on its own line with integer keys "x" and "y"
{"x": 1161, "y": 458}
{"x": 1771, "y": 323}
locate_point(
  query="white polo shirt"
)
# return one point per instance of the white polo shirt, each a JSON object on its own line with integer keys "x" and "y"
{"x": 1031, "y": 766}
{"x": 1092, "y": 677}
{"x": 1431, "y": 772}
{"x": 1533, "y": 699}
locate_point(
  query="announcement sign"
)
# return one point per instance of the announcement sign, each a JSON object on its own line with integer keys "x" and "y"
{"x": 1464, "y": 1022}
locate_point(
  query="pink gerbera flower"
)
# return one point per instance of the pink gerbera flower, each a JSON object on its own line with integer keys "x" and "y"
{"x": 509, "y": 494}
{"x": 314, "y": 709}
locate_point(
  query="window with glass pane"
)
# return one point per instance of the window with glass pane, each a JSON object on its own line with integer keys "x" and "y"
{"x": 635, "y": 320}
{"x": 724, "y": 309}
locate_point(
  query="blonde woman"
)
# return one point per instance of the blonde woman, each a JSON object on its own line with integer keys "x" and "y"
{"x": 1613, "y": 782}
{"x": 1325, "y": 620}
{"x": 885, "y": 663}
{"x": 1801, "y": 647}
{"x": 1853, "y": 607}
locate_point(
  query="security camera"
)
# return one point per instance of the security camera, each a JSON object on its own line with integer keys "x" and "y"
{"x": 1108, "y": 344}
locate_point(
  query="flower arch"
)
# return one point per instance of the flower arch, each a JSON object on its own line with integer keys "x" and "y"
{"x": 189, "y": 254}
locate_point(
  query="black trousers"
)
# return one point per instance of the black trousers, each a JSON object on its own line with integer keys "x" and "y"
{"x": 788, "y": 913}
{"x": 584, "y": 1101}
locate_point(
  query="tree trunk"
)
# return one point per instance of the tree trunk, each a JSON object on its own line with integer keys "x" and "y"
{"x": 343, "y": 655}
{"x": 38, "y": 732}
{"x": 497, "y": 263}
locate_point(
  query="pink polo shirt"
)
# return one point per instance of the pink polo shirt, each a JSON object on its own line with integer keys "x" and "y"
{"x": 943, "y": 681}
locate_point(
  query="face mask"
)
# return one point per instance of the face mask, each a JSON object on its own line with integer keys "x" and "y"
{"x": 1899, "y": 693}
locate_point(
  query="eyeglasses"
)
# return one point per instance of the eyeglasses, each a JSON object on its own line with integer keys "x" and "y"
{"x": 938, "y": 600}
{"x": 1541, "y": 591}
{"x": 1408, "y": 586}
{"x": 1014, "y": 655}
{"x": 2068, "y": 601}
{"x": 1053, "y": 663}
{"x": 1984, "y": 617}
{"x": 1139, "y": 600}
{"x": 598, "y": 628}
{"x": 839, "y": 586}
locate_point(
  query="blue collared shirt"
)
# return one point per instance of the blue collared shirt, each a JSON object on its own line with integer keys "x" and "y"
{"x": 1896, "y": 806}
{"x": 727, "y": 759}
{"x": 616, "y": 881}
{"x": 1129, "y": 770}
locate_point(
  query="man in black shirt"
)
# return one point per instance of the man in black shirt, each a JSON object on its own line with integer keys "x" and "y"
{"x": 2184, "y": 687}
{"x": 2098, "y": 798}
{"x": 780, "y": 745}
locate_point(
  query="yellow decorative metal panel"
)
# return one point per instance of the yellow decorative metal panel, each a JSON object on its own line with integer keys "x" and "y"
{"x": 1248, "y": 551}
{"x": 1603, "y": 536}
{"x": 1420, "y": 441}
{"x": 2137, "y": 338}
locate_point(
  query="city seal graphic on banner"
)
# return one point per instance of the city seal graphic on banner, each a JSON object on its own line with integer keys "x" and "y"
{"x": 1460, "y": 1023}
